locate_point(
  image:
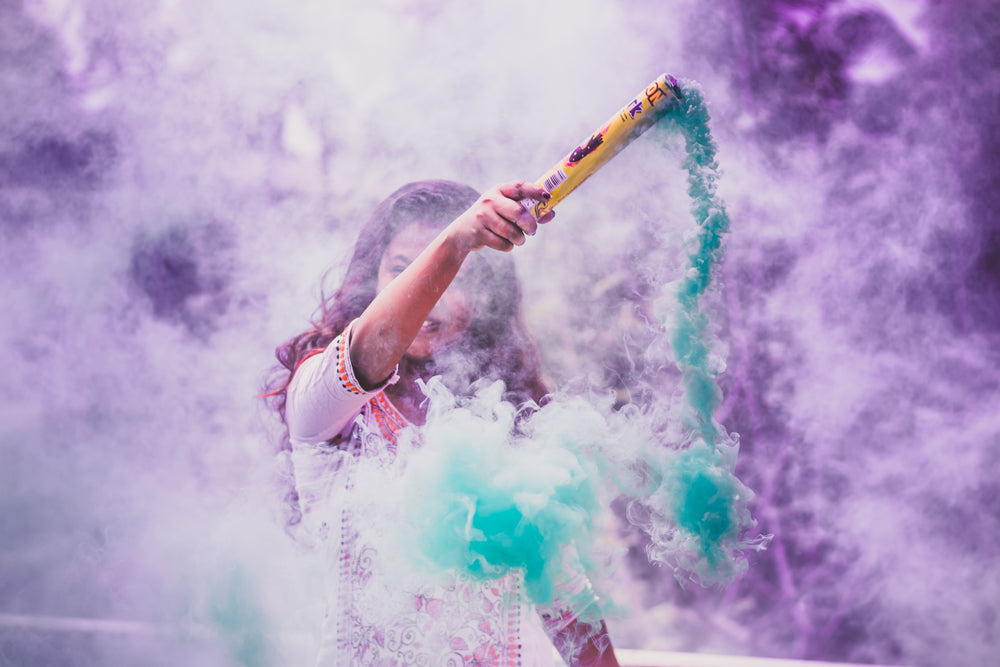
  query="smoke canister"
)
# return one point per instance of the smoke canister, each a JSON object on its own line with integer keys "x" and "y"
{"x": 631, "y": 120}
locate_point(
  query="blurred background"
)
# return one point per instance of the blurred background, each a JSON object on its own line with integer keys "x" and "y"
{"x": 176, "y": 178}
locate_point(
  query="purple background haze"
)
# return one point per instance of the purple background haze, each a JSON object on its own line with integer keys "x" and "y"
{"x": 176, "y": 175}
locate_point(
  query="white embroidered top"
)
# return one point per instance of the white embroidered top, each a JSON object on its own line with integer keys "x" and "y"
{"x": 373, "y": 616}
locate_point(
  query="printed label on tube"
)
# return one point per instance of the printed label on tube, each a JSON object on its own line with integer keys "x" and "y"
{"x": 631, "y": 120}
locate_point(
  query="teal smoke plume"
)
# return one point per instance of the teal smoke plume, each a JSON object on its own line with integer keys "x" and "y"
{"x": 497, "y": 491}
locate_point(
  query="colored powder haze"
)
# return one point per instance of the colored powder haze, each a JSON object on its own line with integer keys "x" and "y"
{"x": 175, "y": 177}
{"x": 481, "y": 497}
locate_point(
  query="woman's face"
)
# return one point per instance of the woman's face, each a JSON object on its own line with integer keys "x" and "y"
{"x": 452, "y": 314}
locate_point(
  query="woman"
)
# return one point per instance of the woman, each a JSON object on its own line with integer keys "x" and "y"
{"x": 418, "y": 300}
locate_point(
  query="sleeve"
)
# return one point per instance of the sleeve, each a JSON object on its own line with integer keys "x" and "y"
{"x": 325, "y": 395}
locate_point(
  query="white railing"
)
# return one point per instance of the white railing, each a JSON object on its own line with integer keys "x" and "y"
{"x": 634, "y": 658}
{"x": 627, "y": 657}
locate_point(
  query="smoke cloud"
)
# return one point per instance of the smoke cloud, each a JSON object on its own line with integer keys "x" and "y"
{"x": 176, "y": 177}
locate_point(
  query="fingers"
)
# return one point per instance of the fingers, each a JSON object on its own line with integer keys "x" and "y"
{"x": 512, "y": 206}
{"x": 525, "y": 221}
{"x": 497, "y": 225}
{"x": 502, "y": 218}
{"x": 518, "y": 190}
{"x": 498, "y": 242}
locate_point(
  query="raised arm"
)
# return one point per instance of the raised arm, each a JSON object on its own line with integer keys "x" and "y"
{"x": 392, "y": 321}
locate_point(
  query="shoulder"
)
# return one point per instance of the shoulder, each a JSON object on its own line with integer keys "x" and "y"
{"x": 324, "y": 395}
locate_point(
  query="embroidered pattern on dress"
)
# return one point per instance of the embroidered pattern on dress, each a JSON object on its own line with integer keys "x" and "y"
{"x": 463, "y": 624}
{"x": 346, "y": 377}
{"x": 347, "y": 539}
{"x": 387, "y": 419}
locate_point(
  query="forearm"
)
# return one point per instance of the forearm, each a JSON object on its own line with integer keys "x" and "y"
{"x": 391, "y": 322}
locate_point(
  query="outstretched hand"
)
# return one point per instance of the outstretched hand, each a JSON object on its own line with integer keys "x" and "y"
{"x": 498, "y": 220}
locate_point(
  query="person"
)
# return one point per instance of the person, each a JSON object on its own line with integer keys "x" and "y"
{"x": 425, "y": 294}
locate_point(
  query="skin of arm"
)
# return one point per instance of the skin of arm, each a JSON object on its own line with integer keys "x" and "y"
{"x": 389, "y": 325}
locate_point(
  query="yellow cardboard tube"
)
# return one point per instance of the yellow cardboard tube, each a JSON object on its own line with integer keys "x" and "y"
{"x": 631, "y": 120}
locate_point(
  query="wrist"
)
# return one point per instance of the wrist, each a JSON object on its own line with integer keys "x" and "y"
{"x": 457, "y": 241}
